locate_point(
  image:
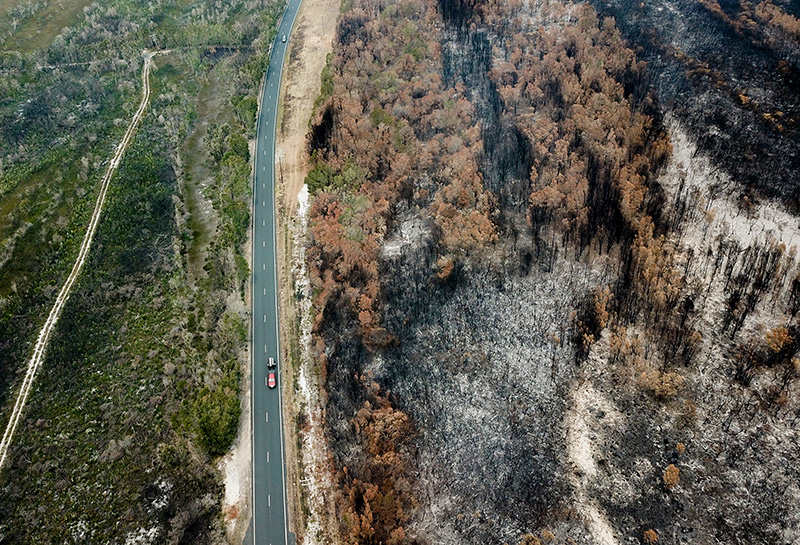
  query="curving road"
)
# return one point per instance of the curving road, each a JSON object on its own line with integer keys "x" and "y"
{"x": 270, "y": 513}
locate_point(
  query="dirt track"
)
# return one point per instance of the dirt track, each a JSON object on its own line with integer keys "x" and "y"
{"x": 44, "y": 335}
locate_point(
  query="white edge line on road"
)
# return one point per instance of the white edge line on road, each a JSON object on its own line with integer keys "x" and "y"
{"x": 252, "y": 397}
{"x": 277, "y": 329}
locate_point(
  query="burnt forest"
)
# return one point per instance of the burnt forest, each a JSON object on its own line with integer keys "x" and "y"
{"x": 552, "y": 251}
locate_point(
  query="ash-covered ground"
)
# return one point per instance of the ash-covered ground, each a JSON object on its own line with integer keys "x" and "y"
{"x": 595, "y": 388}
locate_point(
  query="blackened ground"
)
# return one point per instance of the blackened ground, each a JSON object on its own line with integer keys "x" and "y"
{"x": 482, "y": 365}
{"x": 752, "y": 148}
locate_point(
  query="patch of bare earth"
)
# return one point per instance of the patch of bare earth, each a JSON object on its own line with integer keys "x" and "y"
{"x": 312, "y": 39}
{"x": 310, "y": 493}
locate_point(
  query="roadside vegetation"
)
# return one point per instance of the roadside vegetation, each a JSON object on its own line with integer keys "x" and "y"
{"x": 140, "y": 389}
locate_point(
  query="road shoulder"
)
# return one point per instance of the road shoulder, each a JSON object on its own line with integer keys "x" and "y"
{"x": 311, "y": 41}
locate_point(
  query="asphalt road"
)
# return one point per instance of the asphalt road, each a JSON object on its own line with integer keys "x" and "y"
{"x": 270, "y": 518}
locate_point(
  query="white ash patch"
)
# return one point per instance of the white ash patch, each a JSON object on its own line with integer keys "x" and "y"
{"x": 585, "y": 423}
{"x": 411, "y": 234}
{"x": 713, "y": 216}
{"x": 80, "y": 532}
{"x": 717, "y": 209}
{"x": 316, "y": 482}
{"x": 162, "y": 500}
{"x": 142, "y": 536}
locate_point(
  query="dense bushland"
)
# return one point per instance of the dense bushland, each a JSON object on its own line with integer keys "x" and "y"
{"x": 140, "y": 389}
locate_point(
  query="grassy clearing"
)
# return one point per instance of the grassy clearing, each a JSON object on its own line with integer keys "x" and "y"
{"x": 38, "y": 29}
{"x": 211, "y": 110}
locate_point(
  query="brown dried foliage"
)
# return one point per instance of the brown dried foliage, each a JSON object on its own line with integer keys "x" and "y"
{"x": 671, "y": 476}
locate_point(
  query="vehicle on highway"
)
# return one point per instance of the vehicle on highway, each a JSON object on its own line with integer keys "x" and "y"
{"x": 283, "y": 40}
{"x": 271, "y": 364}
{"x": 271, "y": 380}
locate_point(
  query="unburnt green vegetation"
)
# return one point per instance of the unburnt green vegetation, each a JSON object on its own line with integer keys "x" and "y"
{"x": 140, "y": 387}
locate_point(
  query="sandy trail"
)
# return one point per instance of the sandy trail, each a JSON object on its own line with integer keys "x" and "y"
{"x": 66, "y": 289}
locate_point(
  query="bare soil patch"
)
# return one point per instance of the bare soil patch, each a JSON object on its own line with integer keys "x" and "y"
{"x": 311, "y": 42}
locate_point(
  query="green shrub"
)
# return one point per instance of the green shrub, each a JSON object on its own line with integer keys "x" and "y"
{"x": 217, "y": 414}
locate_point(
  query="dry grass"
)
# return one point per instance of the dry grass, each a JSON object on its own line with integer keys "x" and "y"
{"x": 40, "y": 29}
{"x": 311, "y": 41}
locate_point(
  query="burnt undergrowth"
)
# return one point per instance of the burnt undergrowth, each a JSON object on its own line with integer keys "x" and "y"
{"x": 736, "y": 86}
{"x": 503, "y": 285}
